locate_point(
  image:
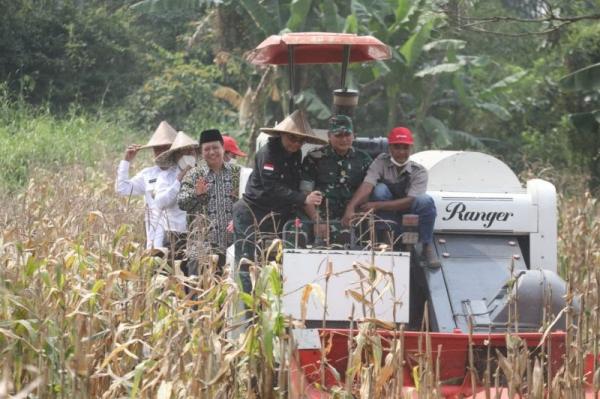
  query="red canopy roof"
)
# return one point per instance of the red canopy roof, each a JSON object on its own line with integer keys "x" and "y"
{"x": 318, "y": 48}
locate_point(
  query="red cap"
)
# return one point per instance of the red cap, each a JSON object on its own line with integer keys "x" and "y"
{"x": 400, "y": 135}
{"x": 231, "y": 146}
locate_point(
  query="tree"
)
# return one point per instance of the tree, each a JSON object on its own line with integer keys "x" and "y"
{"x": 554, "y": 119}
{"x": 419, "y": 87}
{"x": 63, "y": 52}
{"x": 582, "y": 88}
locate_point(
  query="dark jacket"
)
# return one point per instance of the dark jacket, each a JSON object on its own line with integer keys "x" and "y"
{"x": 275, "y": 180}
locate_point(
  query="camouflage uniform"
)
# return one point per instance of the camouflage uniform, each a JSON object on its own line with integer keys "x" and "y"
{"x": 336, "y": 176}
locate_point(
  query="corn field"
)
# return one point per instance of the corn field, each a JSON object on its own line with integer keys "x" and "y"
{"x": 86, "y": 312}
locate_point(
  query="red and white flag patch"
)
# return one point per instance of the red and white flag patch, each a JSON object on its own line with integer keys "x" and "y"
{"x": 269, "y": 167}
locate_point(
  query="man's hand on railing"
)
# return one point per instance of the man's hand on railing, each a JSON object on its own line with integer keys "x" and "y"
{"x": 347, "y": 218}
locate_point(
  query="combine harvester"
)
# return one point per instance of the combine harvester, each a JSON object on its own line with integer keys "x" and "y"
{"x": 495, "y": 295}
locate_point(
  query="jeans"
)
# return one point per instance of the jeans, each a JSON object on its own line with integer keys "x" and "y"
{"x": 423, "y": 206}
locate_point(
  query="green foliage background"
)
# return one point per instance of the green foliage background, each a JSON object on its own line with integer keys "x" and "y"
{"x": 123, "y": 66}
{"x": 33, "y": 137}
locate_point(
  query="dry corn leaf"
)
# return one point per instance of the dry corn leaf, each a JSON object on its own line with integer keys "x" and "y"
{"x": 308, "y": 289}
{"x": 381, "y": 323}
{"x": 537, "y": 389}
{"x": 127, "y": 275}
{"x": 304, "y": 301}
{"x": 118, "y": 350}
{"x": 165, "y": 389}
{"x": 93, "y": 215}
{"x": 358, "y": 297}
{"x": 384, "y": 375}
{"x": 328, "y": 269}
{"x": 366, "y": 383}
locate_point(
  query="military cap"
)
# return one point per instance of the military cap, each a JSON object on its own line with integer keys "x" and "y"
{"x": 340, "y": 124}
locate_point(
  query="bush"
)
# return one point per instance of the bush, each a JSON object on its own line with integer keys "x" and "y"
{"x": 183, "y": 95}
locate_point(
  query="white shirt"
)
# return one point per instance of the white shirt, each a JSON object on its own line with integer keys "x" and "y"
{"x": 143, "y": 183}
{"x": 167, "y": 188}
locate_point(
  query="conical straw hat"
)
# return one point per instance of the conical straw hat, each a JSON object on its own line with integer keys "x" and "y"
{"x": 163, "y": 135}
{"x": 182, "y": 141}
{"x": 296, "y": 124}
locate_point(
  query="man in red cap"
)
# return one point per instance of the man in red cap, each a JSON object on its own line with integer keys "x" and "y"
{"x": 396, "y": 186}
{"x": 232, "y": 151}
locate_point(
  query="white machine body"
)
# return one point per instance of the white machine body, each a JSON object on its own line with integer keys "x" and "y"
{"x": 304, "y": 273}
{"x": 477, "y": 193}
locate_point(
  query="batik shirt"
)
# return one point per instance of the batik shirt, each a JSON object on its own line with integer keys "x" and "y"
{"x": 336, "y": 176}
{"x": 215, "y": 206}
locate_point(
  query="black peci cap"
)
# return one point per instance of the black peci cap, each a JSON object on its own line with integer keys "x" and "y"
{"x": 210, "y": 135}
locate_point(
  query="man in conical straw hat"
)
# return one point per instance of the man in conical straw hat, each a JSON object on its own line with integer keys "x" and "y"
{"x": 176, "y": 162}
{"x": 144, "y": 182}
{"x": 272, "y": 193}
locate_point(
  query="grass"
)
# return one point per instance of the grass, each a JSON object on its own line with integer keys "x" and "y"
{"x": 33, "y": 137}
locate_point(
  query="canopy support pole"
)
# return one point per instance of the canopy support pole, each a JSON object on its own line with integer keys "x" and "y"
{"x": 292, "y": 76}
{"x": 345, "y": 63}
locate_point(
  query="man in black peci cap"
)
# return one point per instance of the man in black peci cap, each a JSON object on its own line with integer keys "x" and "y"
{"x": 208, "y": 193}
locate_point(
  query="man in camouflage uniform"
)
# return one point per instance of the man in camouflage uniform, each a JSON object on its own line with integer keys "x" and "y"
{"x": 336, "y": 170}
